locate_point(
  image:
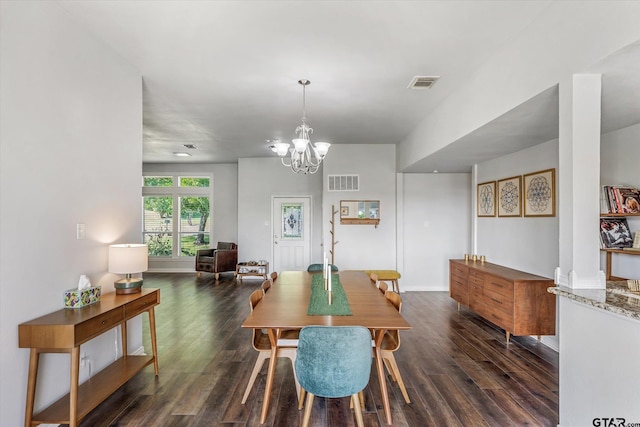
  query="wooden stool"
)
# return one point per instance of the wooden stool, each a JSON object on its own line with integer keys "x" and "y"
{"x": 387, "y": 275}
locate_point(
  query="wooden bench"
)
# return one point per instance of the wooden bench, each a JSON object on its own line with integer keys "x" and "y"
{"x": 387, "y": 276}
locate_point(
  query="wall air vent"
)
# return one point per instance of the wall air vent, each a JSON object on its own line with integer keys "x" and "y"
{"x": 423, "y": 82}
{"x": 344, "y": 183}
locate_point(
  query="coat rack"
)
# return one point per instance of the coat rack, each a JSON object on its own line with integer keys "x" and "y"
{"x": 334, "y": 211}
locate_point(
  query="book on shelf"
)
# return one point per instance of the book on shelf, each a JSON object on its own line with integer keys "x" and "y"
{"x": 615, "y": 233}
{"x": 620, "y": 199}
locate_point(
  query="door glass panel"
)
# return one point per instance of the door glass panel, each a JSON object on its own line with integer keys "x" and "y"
{"x": 292, "y": 221}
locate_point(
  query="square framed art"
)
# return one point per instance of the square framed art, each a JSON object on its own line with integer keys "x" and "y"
{"x": 510, "y": 196}
{"x": 487, "y": 199}
{"x": 540, "y": 193}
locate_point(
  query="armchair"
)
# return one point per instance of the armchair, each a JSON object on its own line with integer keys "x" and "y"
{"x": 223, "y": 258}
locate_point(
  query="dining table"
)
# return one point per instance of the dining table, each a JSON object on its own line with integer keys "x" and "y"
{"x": 285, "y": 307}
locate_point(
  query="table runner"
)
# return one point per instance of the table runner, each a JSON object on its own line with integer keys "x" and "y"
{"x": 319, "y": 302}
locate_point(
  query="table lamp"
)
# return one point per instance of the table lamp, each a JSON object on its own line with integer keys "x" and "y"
{"x": 128, "y": 259}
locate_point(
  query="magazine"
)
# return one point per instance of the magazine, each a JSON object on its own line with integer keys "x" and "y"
{"x": 620, "y": 199}
{"x": 614, "y": 233}
{"x": 629, "y": 200}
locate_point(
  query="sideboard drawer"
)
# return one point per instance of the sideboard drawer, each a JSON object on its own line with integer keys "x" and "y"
{"x": 459, "y": 270}
{"x": 498, "y": 285}
{"x": 499, "y": 302}
{"x": 140, "y": 305}
{"x": 499, "y": 317}
{"x": 98, "y": 325}
{"x": 476, "y": 279}
{"x": 458, "y": 290}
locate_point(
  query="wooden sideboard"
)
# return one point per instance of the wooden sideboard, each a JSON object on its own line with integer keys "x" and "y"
{"x": 63, "y": 331}
{"x": 516, "y": 301}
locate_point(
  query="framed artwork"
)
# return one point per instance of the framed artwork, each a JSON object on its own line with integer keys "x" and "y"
{"x": 540, "y": 193}
{"x": 344, "y": 211}
{"x": 487, "y": 199}
{"x": 510, "y": 196}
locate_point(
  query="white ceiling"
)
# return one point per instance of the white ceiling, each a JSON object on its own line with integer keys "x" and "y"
{"x": 223, "y": 74}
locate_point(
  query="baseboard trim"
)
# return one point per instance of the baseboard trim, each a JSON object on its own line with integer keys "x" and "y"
{"x": 171, "y": 270}
{"x": 139, "y": 352}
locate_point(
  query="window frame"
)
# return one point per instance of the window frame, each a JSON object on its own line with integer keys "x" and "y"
{"x": 176, "y": 192}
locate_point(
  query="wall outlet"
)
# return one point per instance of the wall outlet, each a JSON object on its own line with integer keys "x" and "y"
{"x": 84, "y": 360}
{"x": 80, "y": 231}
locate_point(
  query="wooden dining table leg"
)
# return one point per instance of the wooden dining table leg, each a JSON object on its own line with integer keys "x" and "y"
{"x": 270, "y": 374}
{"x": 379, "y": 334}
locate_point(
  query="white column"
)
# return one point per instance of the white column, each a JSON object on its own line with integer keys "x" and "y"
{"x": 579, "y": 182}
{"x": 400, "y": 222}
{"x": 474, "y": 209}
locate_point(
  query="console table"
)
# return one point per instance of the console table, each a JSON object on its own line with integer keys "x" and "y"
{"x": 63, "y": 331}
{"x": 516, "y": 301}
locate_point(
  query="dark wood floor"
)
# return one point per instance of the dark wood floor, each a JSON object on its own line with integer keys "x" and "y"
{"x": 457, "y": 368}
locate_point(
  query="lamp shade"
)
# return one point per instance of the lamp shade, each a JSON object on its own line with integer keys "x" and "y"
{"x": 128, "y": 258}
{"x": 282, "y": 148}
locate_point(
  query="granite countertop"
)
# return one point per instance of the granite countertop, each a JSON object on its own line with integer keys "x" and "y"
{"x": 617, "y": 298}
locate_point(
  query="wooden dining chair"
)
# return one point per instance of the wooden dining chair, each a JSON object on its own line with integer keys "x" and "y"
{"x": 390, "y": 344}
{"x": 266, "y": 285}
{"x": 332, "y": 362}
{"x": 383, "y": 287}
{"x": 274, "y": 276}
{"x": 374, "y": 278}
{"x": 261, "y": 343}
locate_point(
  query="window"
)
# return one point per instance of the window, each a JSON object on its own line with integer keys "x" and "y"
{"x": 188, "y": 195}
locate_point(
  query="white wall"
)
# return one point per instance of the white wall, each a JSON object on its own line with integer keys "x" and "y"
{"x": 224, "y": 215}
{"x": 70, "y": 152}
{"x": 567, "y": 37}
{"x": 524, "y": 243}
{"x": 619, "y": 154}
{"x": 362, "y": 247}
{"x": 260, "y": 179}
{"x": 436, "y": 227}
{"x": 600, "y": 376}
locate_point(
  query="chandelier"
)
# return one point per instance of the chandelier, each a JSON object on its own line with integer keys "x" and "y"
{"x": 305, "y": 157}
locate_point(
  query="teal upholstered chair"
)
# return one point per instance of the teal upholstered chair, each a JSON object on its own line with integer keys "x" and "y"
{"x": 333, "y": 361}
{"x": 317, "y": 268}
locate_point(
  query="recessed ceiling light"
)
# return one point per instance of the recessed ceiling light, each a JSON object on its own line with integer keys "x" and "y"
{"x": 435, "y": 171}
{"x": 182, "y": 154}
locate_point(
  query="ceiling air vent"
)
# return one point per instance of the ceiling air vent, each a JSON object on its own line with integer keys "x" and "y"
{"x": 423, "y": 82}
{"x": 344, "y": 183}
{"x": 190, "y": 146}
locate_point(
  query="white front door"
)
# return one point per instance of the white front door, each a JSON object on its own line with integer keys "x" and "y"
{"x": 291, "y": 233}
